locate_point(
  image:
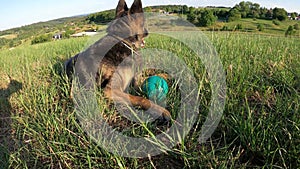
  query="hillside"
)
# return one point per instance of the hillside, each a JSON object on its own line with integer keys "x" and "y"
{"x": 260, "y": 24}
{"x": 25, "y": 33}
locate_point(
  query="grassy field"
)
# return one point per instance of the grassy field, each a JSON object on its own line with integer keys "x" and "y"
{"x": 250, "y": 25}
{"x": 260, "y": 126}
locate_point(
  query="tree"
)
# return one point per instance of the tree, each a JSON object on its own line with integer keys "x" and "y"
{"x": 192, "y": 10}
{"x": 222, "y": 13}
{"x": 101, "y": 17}
{"x": 192, "y": 17}
{"x": 294, "y": 15}
{"x": 248, "y": 9}
{"x": 148, "y": 9}
{"x": 280, "y": 14}
{"x": 207, "y": 18}
{"x": 234, "y": 15}
{"x": 269, "y": 14}
{"x": 244, "y": 8}
{"x": 263, "y": 12}
{"x": 168, "y": 9}
{"x": 185, "y": 9}
{"x": 255, "y": 9}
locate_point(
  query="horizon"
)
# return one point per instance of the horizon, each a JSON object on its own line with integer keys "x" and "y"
{"x": 38, "y": 12}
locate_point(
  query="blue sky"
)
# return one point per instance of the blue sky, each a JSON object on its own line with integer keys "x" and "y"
{"x": 15, "y": 13}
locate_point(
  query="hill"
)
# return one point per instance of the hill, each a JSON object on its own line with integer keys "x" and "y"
{"x": 259, "y": 23}
{"x": 25, "y": 33}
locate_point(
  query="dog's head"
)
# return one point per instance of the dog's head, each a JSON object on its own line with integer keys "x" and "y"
{"x": 129, "y": 23}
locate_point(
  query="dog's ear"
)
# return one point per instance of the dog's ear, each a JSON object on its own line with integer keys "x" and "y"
{"x": 136, "y": 7}
{"x": 121, "y": 8}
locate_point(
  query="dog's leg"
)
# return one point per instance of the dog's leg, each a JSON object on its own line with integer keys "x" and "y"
{"x": 121, "y": 97}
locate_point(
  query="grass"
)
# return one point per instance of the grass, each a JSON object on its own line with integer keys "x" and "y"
{"x": 260, "y": 126}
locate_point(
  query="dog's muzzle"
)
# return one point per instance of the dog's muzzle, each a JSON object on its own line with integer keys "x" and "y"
{"x": 143, "y": 44}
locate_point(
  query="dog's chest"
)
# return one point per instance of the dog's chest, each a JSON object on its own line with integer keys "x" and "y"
{"x": 118, "y": 73}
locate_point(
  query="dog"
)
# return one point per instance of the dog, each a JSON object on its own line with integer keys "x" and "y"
{"x": 116, "y": 54}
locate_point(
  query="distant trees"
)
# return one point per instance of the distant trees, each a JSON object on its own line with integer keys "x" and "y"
{"x": 280, "y": 14}
{"x": 148, "y": 9}
{"x": 234, "y": 15}
{"x": 101, "y": 17}
{"x": 192, "y": 17}
{"x": 248, "y": 9}
{"x": 207, "y": 18}
{"x": 203, "y": 17}
{"x": 253, "y": 10}
{"x": 294, "y": 15}
{"x": 185, "y": 9}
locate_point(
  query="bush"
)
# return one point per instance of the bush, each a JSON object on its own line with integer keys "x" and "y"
{"x": 225, "y": 28}
{"x": 3, "y": 42}
{"x": 296, "y": 26}
{"x": 41, "y": 39}
{"x": 239, "y": 27}
{"x": 260, "y": 27}
{"x": 276, "y": 22}
{"x": 290, "y": 31}
{"x": 68, "y": 33}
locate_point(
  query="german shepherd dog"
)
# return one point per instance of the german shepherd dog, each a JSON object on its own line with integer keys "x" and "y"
{"x": 125, "y": 35}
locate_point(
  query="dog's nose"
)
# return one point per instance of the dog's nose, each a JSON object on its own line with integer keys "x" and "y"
{"x": 143, "y": 43}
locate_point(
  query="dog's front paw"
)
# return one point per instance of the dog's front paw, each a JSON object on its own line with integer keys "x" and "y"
{"x": 164, "y": 113}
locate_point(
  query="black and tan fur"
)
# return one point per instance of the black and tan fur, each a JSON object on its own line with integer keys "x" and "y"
{"x": 125, "y": 35}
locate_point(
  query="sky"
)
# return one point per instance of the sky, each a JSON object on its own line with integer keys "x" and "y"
{"x": 16, "y": 13}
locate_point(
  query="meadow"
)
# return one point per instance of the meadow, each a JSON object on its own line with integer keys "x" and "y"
{"x": 260, "y": 126}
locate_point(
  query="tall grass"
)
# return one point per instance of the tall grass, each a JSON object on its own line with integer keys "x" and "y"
{"x": 259, "y": 128}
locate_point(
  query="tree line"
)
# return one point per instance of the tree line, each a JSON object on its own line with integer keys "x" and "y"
{"x": 209, "y": 15}
{"x": 101, "y": 17}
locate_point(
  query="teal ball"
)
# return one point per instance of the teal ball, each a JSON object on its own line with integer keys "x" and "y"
{"x": 156, "y": 88}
